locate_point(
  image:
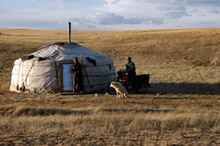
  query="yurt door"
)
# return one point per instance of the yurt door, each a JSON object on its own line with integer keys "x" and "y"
{"x": 66, "y": 78}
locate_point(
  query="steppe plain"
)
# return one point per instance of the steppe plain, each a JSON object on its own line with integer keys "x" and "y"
{"x": 181, "y": 108}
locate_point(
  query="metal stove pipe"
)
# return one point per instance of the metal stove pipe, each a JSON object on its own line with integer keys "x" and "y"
{"x": 69, "y": 37}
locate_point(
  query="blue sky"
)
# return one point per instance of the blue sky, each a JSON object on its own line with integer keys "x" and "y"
{"x": 109, "y": 14}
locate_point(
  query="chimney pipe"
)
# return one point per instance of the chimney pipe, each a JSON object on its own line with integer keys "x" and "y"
{"x": 69, "y": 38}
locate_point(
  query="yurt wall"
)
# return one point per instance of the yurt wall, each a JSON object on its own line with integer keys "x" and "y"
{"x": 48, "y": 70}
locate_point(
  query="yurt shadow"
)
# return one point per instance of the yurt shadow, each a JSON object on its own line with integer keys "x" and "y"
{"x": 186, "y": 88}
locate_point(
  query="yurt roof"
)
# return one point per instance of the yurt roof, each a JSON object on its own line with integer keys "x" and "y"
{"x": 61, "y": 51}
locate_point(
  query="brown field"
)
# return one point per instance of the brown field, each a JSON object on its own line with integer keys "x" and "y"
{"x": 185, "y": 70}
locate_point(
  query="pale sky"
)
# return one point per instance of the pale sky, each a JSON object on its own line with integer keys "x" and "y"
{"x": 109, "y": 14}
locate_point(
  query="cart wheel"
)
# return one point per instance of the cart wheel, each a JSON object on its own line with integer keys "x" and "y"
{"x": 142, "y": 89}
{"x": 111, "y": 90}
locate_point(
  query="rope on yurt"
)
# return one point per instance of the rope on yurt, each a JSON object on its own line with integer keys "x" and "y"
{"x": 18, "y": 76}
{"x": 56, "y": 70}
{"x": 24, "y": 83}
{"x": 22, "y": 86}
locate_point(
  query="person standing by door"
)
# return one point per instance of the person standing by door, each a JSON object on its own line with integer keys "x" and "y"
{"x": 77, "y": 75}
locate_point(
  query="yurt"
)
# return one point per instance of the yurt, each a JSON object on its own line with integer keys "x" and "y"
{"x": 48, "y": 70}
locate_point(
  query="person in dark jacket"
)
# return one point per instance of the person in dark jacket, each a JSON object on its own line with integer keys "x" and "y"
{"x": 131, "y": 71}
{"x": 77, "y": 75}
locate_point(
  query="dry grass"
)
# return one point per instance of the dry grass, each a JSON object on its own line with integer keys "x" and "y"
{"x": 183, "y": 65}
{"x": 178, "y": 56}
{"x": 88, "y": 120}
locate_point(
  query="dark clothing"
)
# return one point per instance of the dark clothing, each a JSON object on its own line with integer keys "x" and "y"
{"x": 77, "y": 77}
{"x": 131, "y": 70}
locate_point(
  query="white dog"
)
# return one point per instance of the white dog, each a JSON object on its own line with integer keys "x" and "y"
{"x": 120, "y": 90}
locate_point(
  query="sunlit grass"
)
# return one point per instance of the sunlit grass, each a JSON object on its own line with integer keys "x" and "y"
{"x": 179, "y": 61}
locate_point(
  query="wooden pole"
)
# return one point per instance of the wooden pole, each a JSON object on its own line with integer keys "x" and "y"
{"x": 83, "y": 67}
